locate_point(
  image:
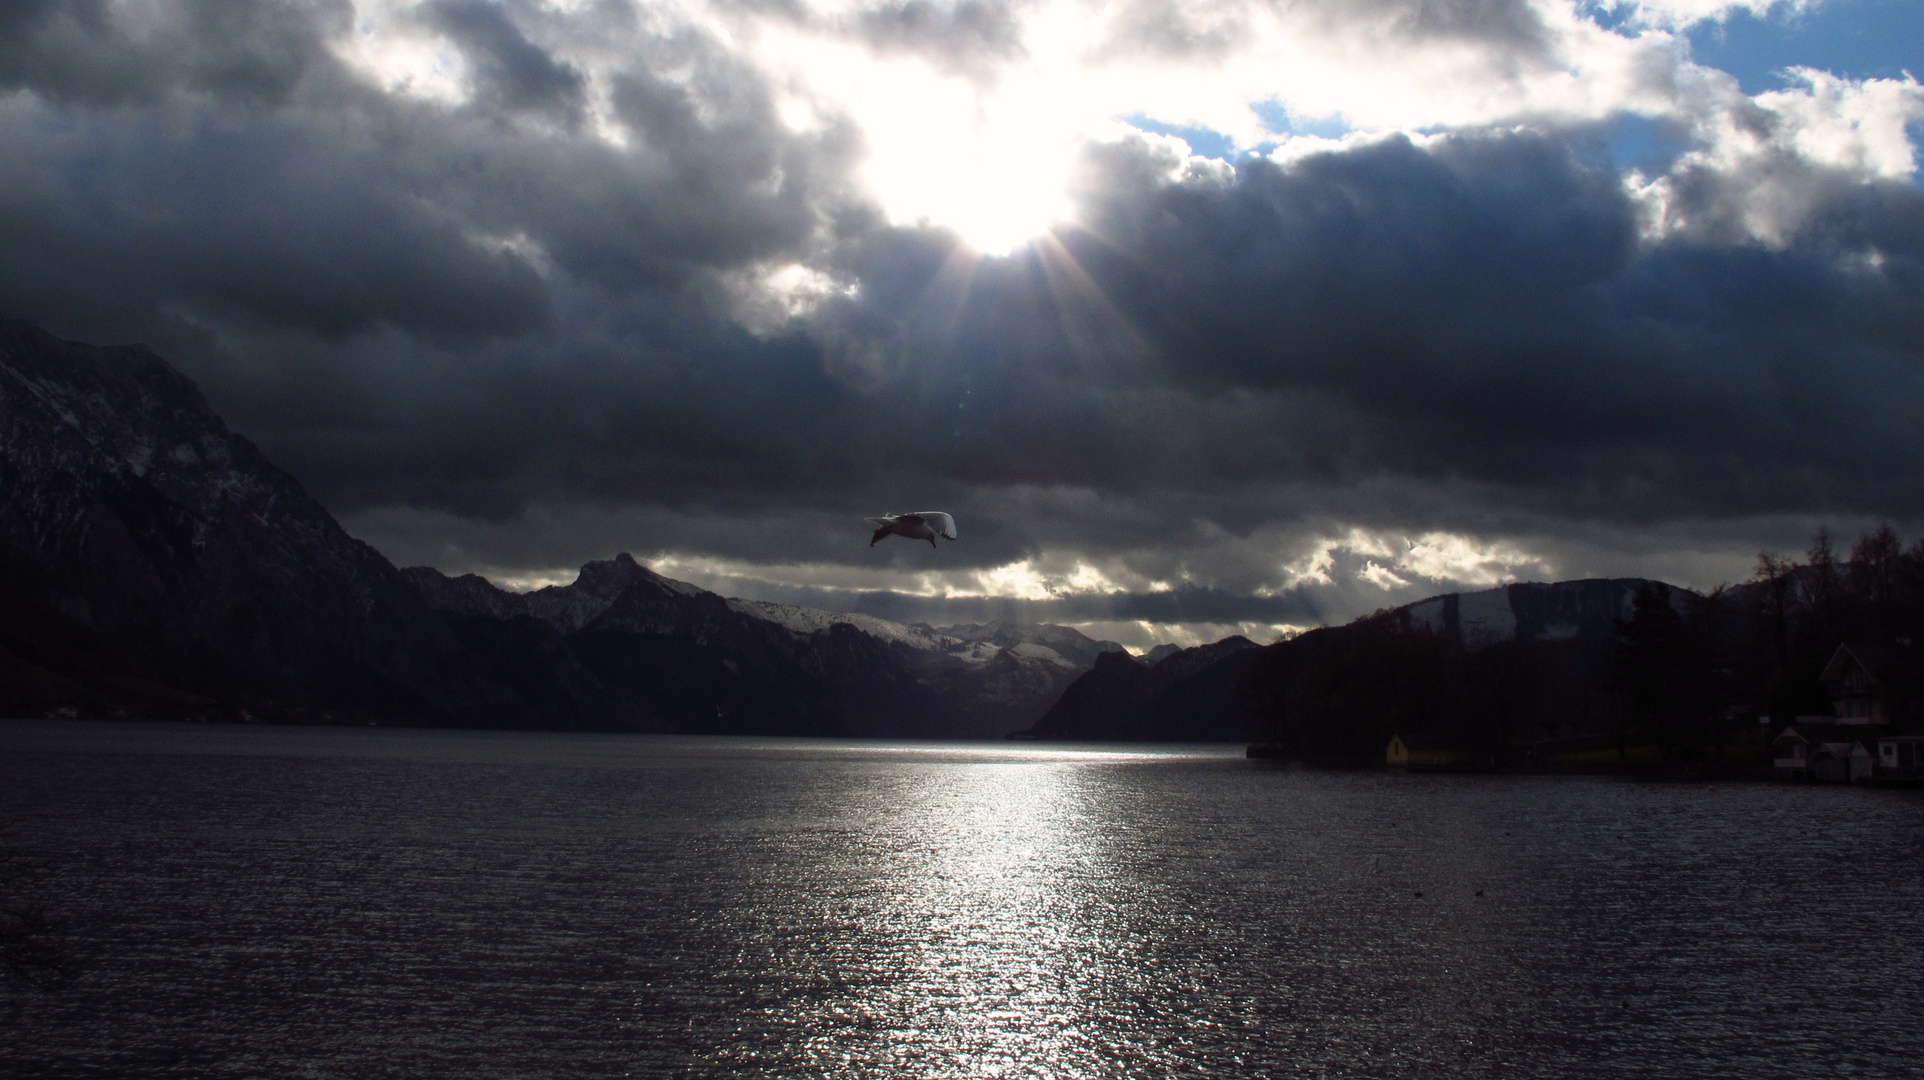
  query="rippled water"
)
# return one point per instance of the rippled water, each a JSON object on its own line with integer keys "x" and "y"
{"x": 242, "y": 902}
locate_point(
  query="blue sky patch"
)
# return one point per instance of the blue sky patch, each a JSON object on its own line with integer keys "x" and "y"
{"x": 1206, "y": 142}
{"x": 1628, "y": 141}
{"x": 1860, "y": 39}
{"x": 1278, "y": 119}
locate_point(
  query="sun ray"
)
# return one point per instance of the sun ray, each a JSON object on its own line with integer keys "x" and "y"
{"x": 1098, "y": 330}
{"x": 946, "y": 296}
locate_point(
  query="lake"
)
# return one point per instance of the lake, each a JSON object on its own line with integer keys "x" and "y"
{"x": 285, "y": 902}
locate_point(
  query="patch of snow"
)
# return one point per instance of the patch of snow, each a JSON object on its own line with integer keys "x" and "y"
{"x": 1032, "y": 651}
{"x": 803, "y": 620}
{"x": 1485, "y": 616}
{"x": 976, "y": 652}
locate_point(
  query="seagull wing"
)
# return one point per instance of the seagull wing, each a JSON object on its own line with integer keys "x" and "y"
{"x": 939, "y": 521}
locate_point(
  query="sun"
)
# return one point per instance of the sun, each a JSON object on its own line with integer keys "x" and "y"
{"x": 990, "y": 162}
{"x": 992, "y": 167}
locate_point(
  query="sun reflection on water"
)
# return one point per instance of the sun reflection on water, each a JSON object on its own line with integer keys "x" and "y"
{"x": 1006, "y": 896}
{"x": 975, "y": 930}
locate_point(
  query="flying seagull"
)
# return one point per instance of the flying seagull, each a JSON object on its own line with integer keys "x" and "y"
{"x": 921, "y": 525}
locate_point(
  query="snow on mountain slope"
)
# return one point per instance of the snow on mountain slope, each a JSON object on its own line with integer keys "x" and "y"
{"x": 804, "y": 620}
{"x": 994, "y": 678}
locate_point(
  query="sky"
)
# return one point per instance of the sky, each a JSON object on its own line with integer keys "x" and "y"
{"x": 1235, "y": 316}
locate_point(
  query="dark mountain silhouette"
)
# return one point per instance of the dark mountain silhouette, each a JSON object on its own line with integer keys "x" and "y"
{"x": 703, "y": 662}
{"x": 154, "y": 563}
{"x": 1189, "y": 695}
{"x": 1481, "y": 672}
{"x": 1431, "y": 666}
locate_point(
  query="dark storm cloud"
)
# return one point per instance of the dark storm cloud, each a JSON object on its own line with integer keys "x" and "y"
{"x": 1511, "y": 29}
{"x": 1484, "y": 310}
{"x": 510, "y": 71}
{"x": 373, "y": 285}
{"x": 78, "y": 51}
{"x": 345, "y": 210}
{"x": 967, "y": 38}
{"x": 483, "y": 310}
{"x": 1512, "y": 24}
{"x": 279, "y": 228}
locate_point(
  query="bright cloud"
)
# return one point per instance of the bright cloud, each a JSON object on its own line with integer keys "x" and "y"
{"x": 1464, "y": 560}
{"x": 1380, "y": 576}
{"x": 767, "y": 298}
{"x": 1677, "y": 14}
{"x": 1780, "y": 154}
{"x": 980, "y": 131}
{"x": 1390, "y": 562}
{"x": 1024, "y": 579}
{"x": 1855, "y": 127}
{"x": 1140, "y": 635}
{"x": 403, "y": 57}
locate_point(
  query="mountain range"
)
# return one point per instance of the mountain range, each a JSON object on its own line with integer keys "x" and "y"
{"x": 1342, "y": 690}
{"x": 155, "y": 563}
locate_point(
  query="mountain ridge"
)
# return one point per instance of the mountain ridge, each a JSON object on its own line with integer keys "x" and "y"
{"x": 153, "y": 562}
{"x": 1017, "y": 678}
{"x": 1231, "y": 693}
{"x": 145, "y": 546}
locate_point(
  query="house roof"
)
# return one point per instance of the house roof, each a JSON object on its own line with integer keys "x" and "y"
{"x": 1872, "y": 658}
{"x": 1845, "y": 746}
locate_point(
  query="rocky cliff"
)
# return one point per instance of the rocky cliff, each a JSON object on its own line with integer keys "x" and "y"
{"x": 153, "y": 561}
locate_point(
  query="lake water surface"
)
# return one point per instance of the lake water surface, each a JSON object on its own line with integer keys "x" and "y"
{"x": 276, "y": 902}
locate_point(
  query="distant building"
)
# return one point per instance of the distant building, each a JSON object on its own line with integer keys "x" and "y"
{"x": 1830, "y": 762}
{"x": 1790, "y": 754}
{"x": 1853, "y": 744}
{"x": 1901, "y": 758}
{"x": 1415, "y": 753}
{"x": 1823, "y": 750}
{"x": 1860, "y": 685}
{"x": 1831, "y": 751}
